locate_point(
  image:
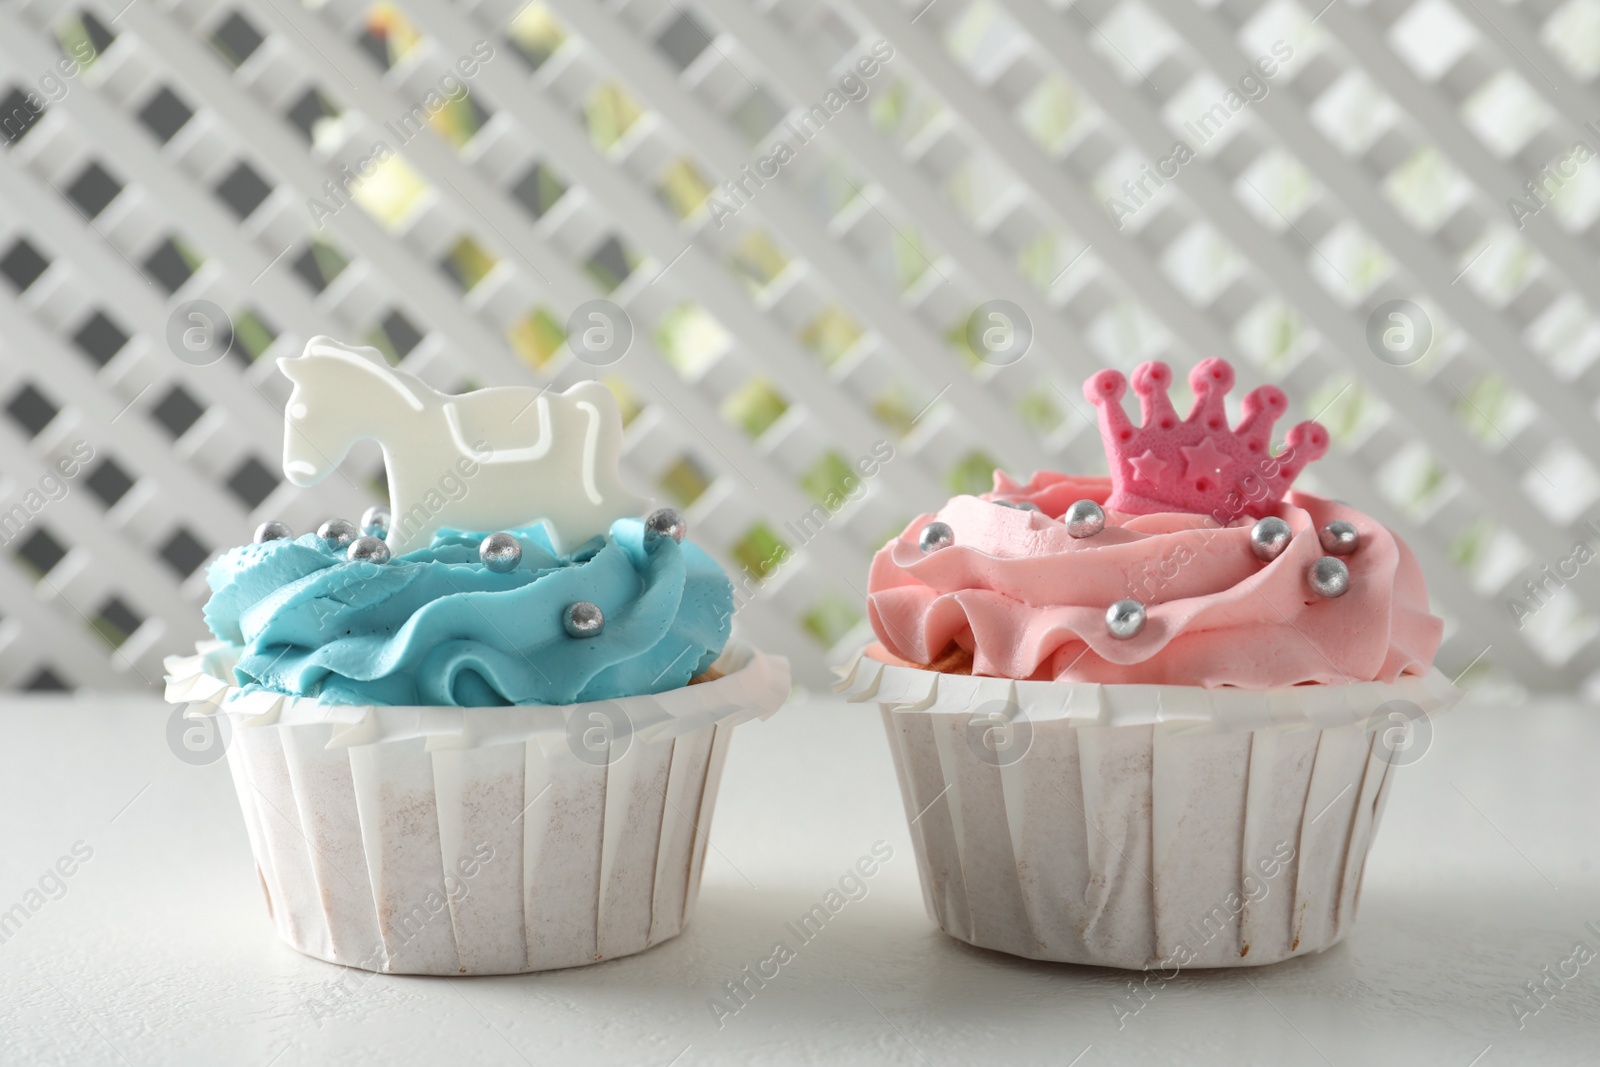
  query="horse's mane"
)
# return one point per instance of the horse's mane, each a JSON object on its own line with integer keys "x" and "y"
{"x": 409, "y": 386}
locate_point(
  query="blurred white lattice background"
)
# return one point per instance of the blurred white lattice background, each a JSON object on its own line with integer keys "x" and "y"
{"x": 889, "y": 168}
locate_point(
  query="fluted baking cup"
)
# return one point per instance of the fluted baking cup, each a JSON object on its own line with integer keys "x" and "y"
{"x": 479, "y": 840}
{"x": 1143, "y": 826}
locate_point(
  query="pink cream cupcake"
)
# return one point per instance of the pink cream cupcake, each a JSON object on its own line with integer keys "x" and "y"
{"x": 1150, "y": 720}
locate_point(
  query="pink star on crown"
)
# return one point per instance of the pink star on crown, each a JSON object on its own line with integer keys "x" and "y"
{"x": 1149, "y": 467}
{"x": 1205, "y": 458}
{"x": 1225, "y": 473}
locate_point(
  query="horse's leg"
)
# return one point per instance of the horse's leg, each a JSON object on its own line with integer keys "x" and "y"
{"x": 411, "y": 522}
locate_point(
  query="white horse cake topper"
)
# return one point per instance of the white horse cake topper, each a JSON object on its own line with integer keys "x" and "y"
{"x": 495, "y": 459}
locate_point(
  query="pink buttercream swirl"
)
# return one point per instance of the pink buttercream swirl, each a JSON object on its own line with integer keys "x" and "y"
{"x": 1029, "y": 602}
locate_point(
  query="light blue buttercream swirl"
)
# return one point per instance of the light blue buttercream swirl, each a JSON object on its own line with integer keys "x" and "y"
{"x": 437, "y": 627}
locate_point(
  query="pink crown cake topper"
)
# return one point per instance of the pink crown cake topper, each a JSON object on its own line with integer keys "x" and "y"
{"x": 1198, "y": 464}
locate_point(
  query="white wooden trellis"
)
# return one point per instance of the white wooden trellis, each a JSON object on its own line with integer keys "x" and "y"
{"x": 949, "y": 175}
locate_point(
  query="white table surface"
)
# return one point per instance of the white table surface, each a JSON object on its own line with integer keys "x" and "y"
{"x": 1486, "y": 870}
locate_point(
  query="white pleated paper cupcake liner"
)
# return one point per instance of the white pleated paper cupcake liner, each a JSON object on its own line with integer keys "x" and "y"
{"x": 1142, "y": 826}
{"x": 448, "y": 841}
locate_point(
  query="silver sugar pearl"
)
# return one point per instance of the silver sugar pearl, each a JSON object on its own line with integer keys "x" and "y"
{"x": 272, "y": 531}
{"x": 1085, "y": 519}
{"x": 336, "y": 533}
{"x": 583, "y": 619}
{"x": 1340, "y": 538}
{"x": 375, "y": 521}
{"x": 1125, "y": 619}
{"x": 666, "y": 522}
{"x": 501, "y": 553}
{"x": 1329, "y": 577}
{"x": 934, "y": 536}
{"x": 368, "y": 549}
{"x": 1269, "y": 538}
{"x": 1019, "y": 505}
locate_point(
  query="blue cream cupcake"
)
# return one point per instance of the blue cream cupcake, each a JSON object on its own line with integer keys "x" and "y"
{"x": 483, "y": 735}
